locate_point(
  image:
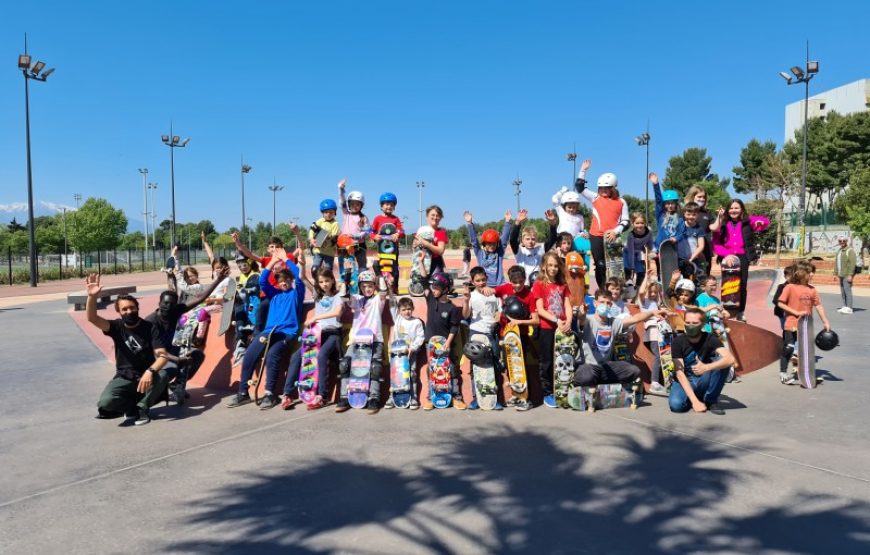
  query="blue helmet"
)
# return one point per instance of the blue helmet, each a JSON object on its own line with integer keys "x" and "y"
{"x": 328, "y": 204}
{"x": 670, "y": 195}
{"x": 388, "y": 197}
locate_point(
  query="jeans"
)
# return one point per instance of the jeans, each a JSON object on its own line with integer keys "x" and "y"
{"x": 707, "y": 387}
{"x": 846, "y": 291}
{"x": 120, "y": 395}
{"x": 330, "y": 349}
{"x": 279, "y": 344}
{"x": 375, "y": 371}
{"x": 615, "y": 371}
{"x": 321, "y": 261}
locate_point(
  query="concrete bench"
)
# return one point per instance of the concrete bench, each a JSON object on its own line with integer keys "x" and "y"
{"x": 78, "y": 300}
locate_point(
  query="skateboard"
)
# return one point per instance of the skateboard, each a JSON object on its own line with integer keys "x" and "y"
{"x": 308, "y": 374}
{"x": 604, "y": 396}
{"x": 439, "y": 373}
{"x": 516, "y": 366}
{"x": 360, "y": 369}
{"x": 388, "y": 251}
{"x": 564, "y": 348}
{"x": 187, "y": 331}
{"x": 258, "y": 372}
{"x": 319, "y": 234}
{"x": 418, "y": 282}
{"x": 575, "y": 279}
{"x": 666, "y": 337}
{"x": 250, "y": 295}
{"x": 721, "y": 331}
{"x": 350, "y": 273}
{"x": 730, "y": 291}
{"x": 484, "y": 377}
{"x": 227, "y": 308}
{"x": 668, "y": 261}
{"x": 806, "y": 349}
{"x": 613, "y": 257}
{"x": 400, "y": 373}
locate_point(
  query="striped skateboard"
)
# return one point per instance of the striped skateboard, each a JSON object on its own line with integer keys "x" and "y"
{"x": 806, "y": 352}
{"x": 515, "y": 363}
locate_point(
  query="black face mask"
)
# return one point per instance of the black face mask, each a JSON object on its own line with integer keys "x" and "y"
{"x": 165, "y": 306}
{"x": 693, "y": 330}
{"x": 130, "y": 319}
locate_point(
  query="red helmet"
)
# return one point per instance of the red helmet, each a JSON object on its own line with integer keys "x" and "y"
{"x": 346, "y": 242}
{"x": 574, "y": 262}
{"x": 489, "y": 236}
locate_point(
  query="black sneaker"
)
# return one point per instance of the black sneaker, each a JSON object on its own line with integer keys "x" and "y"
{"x": 103, "y": 414}
{"x": 143, "y": 418}
{"x": 239, "y": 399}
{"x": 268, "y": 401}
{"x": 342, "y": 406}
{"x": 178, "y": 395}
{"x": 372, "y": 406}
{"x": 716, "y": 409}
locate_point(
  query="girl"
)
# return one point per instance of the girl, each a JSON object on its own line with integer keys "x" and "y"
{"x": 353, "y": 222}
{"x": 733, "y": 234}
{"x": 650, "y": 295}
{"x": 328, "y": 304}
{"x": 436, "y": 246}
{"x": 671, "y": 226}
{"x": 797, "y": 299}
{"x": 636, "y": 245}
{"x": 553, "y": 302}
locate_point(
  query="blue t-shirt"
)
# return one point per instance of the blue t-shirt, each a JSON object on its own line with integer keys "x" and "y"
{"x": 689, "y": 243}
{"x": 705, "y": 300}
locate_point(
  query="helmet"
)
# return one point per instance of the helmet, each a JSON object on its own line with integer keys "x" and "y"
{"x": 670, "y": 195}
{"x": 388, "y": 197}
{"x": 489, "y": 236}
{"x": 582, "y": 244}
{"x": 827, "y": 340}
{"x": 574, "y": 262}
{"x": 387, "y": 229}
{"x": 686, "y": 285}
{"x": 241, "y": 258}
{"x": 570, "y": 196}
{"x": 356, "y": 195}
{"x": 345, "y": 241}
{"x": 477, "y": 351}
{"x": 514, "y": 308}
{"x": 608, "y": 180}
{"x": 328, "y": 204}
{"x": 366, "y": 276}
{"x": 440, "y": 280}
{"x": 533, "y": 277}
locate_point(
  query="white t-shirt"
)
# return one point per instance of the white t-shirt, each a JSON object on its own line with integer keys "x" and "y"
{"x": 530, "y": 259}
{"x": 483, "y": 312}
{"x": 367, "y": 315}
{"x": 651, "y": 331}
{"x": 327, "y": 304}
{"x": 410, "y": 329}
{"x": 573, "y": 224}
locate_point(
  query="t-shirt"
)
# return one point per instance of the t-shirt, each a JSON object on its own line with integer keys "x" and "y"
{"x": 690, "y": 353}
{"x": 705, "y": 300}
{"x": 134, "y": 347}
{"x": 382, "y": 219}
{"x": 327, "y": 304}
{"x": 525, "y": 295}
{"x": 367, "y": 315}
{"x": 483, "y": 312}
{"x": 798, "y": 297}
{"x": 438, "y": 260}
{"x": 529, "y": 259}
{"x": 650, "y": 326}
{"x": 409, "y": 329}
{"x": 166, "y": 328}
{"x": 442, "y": 317}
{"x": 690, "y": 242}
{"x": 329, "y": 245}
{"x": 597, "y": 341}
{"x": 553, "y": 297}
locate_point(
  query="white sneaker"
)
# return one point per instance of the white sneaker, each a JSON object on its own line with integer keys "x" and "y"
{"x": 841, "y": 309}
{"x": 846, "y": 310}
{"x": 656, "y": 388}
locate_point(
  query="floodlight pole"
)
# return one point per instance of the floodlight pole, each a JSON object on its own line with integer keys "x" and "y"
{"x": 518, "y": 183}
{"x": 420, "y": 185}
{"x": 144, "y": 172}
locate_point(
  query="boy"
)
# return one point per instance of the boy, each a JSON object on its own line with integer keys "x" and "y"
{"x": 409, "y": 328}
{"x": 281, "y": 329}
{"x": 692, "y": 246}
{"x": 797, "y": 299}
{"x": 528, "y": 254}
{"x": 778, "y": 312}
{"x": 708, "y": 302}
{"x": 324, "y": 255}
{"x": 519, "y": 288}
{"x": 388, "y": 207}
{"x": 490, "y": 250}
{"x": 367, "y": 308}
{"x": 443, "y": 318}
{"x": 483, "y": 312}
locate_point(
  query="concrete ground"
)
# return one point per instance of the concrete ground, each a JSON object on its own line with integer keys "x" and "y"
{"x": 784, "y": 471}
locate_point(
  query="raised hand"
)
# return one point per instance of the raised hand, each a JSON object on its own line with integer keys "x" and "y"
{"x": 469, "y": 218}
{"x": 294, "y": 228}
{"x": 235, "y": 237}
{"x": 522, "y": 216}
{"x": 92, "y": 285}
{"x": 653, "y": 178}
{"x": 342, "y": 183}
{"x": 507, "y": 215}
{"x": 585, "y": 165}
{"x": 280, "y": 253}
{"x": 202, "y": 236}
{"x": 551, "y": 217}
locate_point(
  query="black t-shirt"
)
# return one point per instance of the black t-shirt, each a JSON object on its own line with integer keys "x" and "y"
{"x": 691, "y": 353}
{"x": 166, "y": 329}
{"x": 134, "y": 347}
{"x": 442, "y": 318}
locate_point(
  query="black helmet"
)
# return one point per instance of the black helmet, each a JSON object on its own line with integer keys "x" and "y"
{"x": 514, "y": 308}
{"x": 533, "y": 277}
{"x": 387, "y": 229}
{"x": 477, "y": 352}
{"x": 827, "y": 340}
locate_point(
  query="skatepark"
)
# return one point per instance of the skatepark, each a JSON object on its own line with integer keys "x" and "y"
{"x": 783, "y": 471}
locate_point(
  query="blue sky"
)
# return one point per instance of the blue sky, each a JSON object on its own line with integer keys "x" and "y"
{"x": 464, "y": 95}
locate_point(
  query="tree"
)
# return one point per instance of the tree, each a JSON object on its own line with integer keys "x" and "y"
{"x": 693, "y": 167}
{"x": 752, "y": 159}
{"x": 14, "y": 226}
{"x": 636, "y": 204}
{"x": 778, "y": 178}
{"x": 854, "y": 204}
{"x": 132, "y": 241}
{"x": 49, "y": 234}
{"x": 98, "y": 226}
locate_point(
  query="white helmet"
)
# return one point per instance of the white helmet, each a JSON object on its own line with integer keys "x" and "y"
{"x": 570, "y": 196}
{"x": 608, "y": 180}
{"x": 686, "y": 285}
{"x": 356, "y": 195}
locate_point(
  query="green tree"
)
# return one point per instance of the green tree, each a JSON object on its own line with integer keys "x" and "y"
{"x": 98, "y": 226}
{"x": 636, "y": 204}
{"x": 14, "y": 226}
{"x": 49, "y": 234}
{"x": 752, "y": 159}
{"x": 132, "y": 241}
{"x": 854, "y": 204}
{"x": 693, "y": 167}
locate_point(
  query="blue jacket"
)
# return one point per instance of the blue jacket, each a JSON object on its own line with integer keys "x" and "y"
{"x": 491, "y": 261}
{"x": 670, "y": 226}
{"x": 284, "y": 306}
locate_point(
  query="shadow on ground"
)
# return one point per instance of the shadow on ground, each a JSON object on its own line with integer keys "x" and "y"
{"x": 510, "y": 491}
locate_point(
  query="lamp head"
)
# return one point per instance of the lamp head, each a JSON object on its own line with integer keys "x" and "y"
{"x": 797, "y": 72}
{"x": 47, "y": 72}
{"x": 164, "y": 138}
{"x": 812, "y": 67}
{"x": 37, "y": 67}
{"x": 246, "y": 168}
{"x": 185, "y": 141}
{"x": 24, "y": 61}
{"x": 785, "y": 76}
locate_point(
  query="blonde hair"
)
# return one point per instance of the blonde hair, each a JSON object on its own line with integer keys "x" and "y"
{"x": 530, "y": 231}
{"x": 693, "y": 192}
{"x": 638, "y": 215}
{"x": 560, "y": 275}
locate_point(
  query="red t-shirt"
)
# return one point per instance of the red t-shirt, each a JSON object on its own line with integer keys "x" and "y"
{"x": 525, "y": 295}
{"x": 440, "y": 237}
{"x": 264, "y": 261}
{"x": 382, "y": 219}
{"x": 553, "y": 296}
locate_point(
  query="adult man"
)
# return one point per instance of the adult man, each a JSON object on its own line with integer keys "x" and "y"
{"x": 142, "y": 371}
{"x": 844, "y": 268}
{"x": 701, "y": 363}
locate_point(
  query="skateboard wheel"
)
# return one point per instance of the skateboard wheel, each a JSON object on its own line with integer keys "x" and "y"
{"x": 263, "y": 340}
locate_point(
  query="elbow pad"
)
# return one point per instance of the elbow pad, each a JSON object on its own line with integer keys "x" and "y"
{"x": 579, "y": 184}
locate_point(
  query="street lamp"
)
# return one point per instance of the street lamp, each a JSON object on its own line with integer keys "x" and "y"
{"x": 173, "y": 142}
{"x": 643, "y": 140}
{"x": 144, "y": 172}
{"x": 274, "y": 188}
{"x": 77, "y": 197}
{"x": 30, "y": 72}
{"x": 245, "y": 169}
{"x": 151, "y": 188}
{"x": 803, "y": 76}
{"x": 420, "y": 186}
{"x": 518, "y": 183}
{"x": 250, "y": 222}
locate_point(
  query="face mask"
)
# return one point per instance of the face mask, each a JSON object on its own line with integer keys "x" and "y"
{"x": 693, "y": 331}
{"x": 130, "y": 319}
{"x": 701, "y": 203}
{"x": 603, "y": 311}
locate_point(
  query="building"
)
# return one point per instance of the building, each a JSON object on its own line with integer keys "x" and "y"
{"x": 845, "y": 100}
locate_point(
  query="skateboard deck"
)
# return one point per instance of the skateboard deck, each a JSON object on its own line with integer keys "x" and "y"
{"x": 388, "y": 251}
{"x": 258, "y": 372}
{"x": 668, "y": 262}
{"x": 227, "y": 309}
{"x": 350, "y": 274}
{"x": 575, "y": 277}
{"x": 400, "y": 374}
{"x": 309, "y": 375}
{"x": 613, "y": 259}
{"x": 721, "y": 331}
{"x": 806, "y": 352}
{"x": 320, "y": 235}
{"x": 360, "y": 369}
{"x": 564, "y": 348}
{"x": 603, "y": 396}
{"x": 484, "y": 377}
{"x": 730, "y": 291}
{"x": 187, "y": 334}
{"x": 250, "y": 294}
{"x": 418, "y": 283}
{"x": 584, "y": 248}
{"x": 514, "y": 361}
{"x": 666, "y": 336}
{"x": 439, "y": 373}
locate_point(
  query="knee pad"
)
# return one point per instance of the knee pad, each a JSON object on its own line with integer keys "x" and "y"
{"x": 344, "y": 367}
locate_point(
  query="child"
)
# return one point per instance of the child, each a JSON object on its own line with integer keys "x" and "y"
{"x": 567, "y": 205}
{"x": 466, "y": 260}
{"x": 409, "y": 328}
{"x": 490, "y": 250}
{"x": 353, "y": 222}
{"x": 650, "y": 295}
{"x": 694, "y": 243}
{"x": 281, "y": 329}
{"x": 528, "y": 254}
{"x": 708, "y": 302}
{"x": 671, "y": 226}
{"x": 778, "y": 312}
{"x": 681, "y": 294}
{"x": 367, "y": 308}
{"x": 637, "y": 243}
{"x": 484, "y": 312}
{"x": 797, "y": 299}
{"x": 324, "y": 256}
{"x": 518, "y": 287}
{"x": 388, "y": 207}
{"x": 328, "y": 304}
{"x": 443, "y": 318}
{"x": 617, "y": 290}
{"x": 553, "y": 304}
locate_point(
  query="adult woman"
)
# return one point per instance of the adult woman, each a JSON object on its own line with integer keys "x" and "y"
{"x": 732, "y": 234}
{"x": 609, "y": 216}
{"x": 698, "y": 195}
{"x": 436, "y": 246}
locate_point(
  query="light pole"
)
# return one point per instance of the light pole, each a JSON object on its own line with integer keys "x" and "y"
{"x": 274, "y": 188}
{"x": 250, "y": 243}
{"x": 803, "y": 76}
{"x": 144, "y": 172}
{"x": 405, "y": 225}
{"x": 245, "y": 169}
{"x": 518, "y": 183}
{"x": 173, "y": 142}
{"x": 151, "y": 188}
{"x": 77, "y": 197}
{"x": 643, "y": 140}
{"x": 420, "y": 186}
{"x": 30, "y": 72}
{"x": 65, "y": 255}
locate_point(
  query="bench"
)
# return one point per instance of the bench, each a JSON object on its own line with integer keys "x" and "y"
{"x": 78, "y": 300}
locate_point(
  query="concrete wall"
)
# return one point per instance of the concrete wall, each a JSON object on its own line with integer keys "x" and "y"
{"x": 844, "y": 100}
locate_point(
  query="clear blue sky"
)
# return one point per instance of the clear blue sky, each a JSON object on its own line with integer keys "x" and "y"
{"x": 464, "y": 95}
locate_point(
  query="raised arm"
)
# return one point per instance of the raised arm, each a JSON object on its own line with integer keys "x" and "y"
{"x": 207, "y": 247}
{"x": 506, "y": 230}
{"x": 223, "y": 273}
{"x": 93, "y": 287}
{"x": 241, "y": 246}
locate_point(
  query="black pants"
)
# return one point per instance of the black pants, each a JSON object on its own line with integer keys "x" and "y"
{"x": 615, "y": 371}
{"x": 744, "y": 280}
{"x": 546, "y": 341}
{"x": 599, "y": 260}
{"x": 789, "y": 339}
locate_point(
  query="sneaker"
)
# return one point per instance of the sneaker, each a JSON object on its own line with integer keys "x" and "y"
{"x": 473, "y": 405}
{"x": 342, "y": 406}
{"x": 788, "y": 379}
{"x": 427, "y": 404}
{"x": 286, "y": 402}
{"x": 103, "y": 414}
{"x": 522, "y": 405}
{"x": 841, "y": 309}
{"x": 550, "y": 401}
{"x": 414, "y": 404}
{"x": 715, "y": 408}
{"x": 143, "y": 418}
{"x": 459, "y": 404}
{"x": 238, "y": 400}
{"x": 239, "y": 355}
{"x": 656, "y": 388}
{"x": 372, "y": 406}
{"x": 178, "y": 395}
{"x": 498, "y": 406}
{"x": 268, "y": 401}
{"x": 390, "y": 404}
{"x": 847, "y": 310}
{"x": 741, "y": 317}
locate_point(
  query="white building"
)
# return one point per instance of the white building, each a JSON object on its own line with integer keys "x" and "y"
{"x": 848, "y": 99}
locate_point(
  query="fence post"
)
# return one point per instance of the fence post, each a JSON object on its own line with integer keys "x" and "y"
{"x": 115, "y": 259}
{"x": 129, "y": 262}
{"x": 99, "y": 262}
{"x": 60, "y": 265}
{"x": 9, "y": 255}
{"x": 143, "y": 259}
